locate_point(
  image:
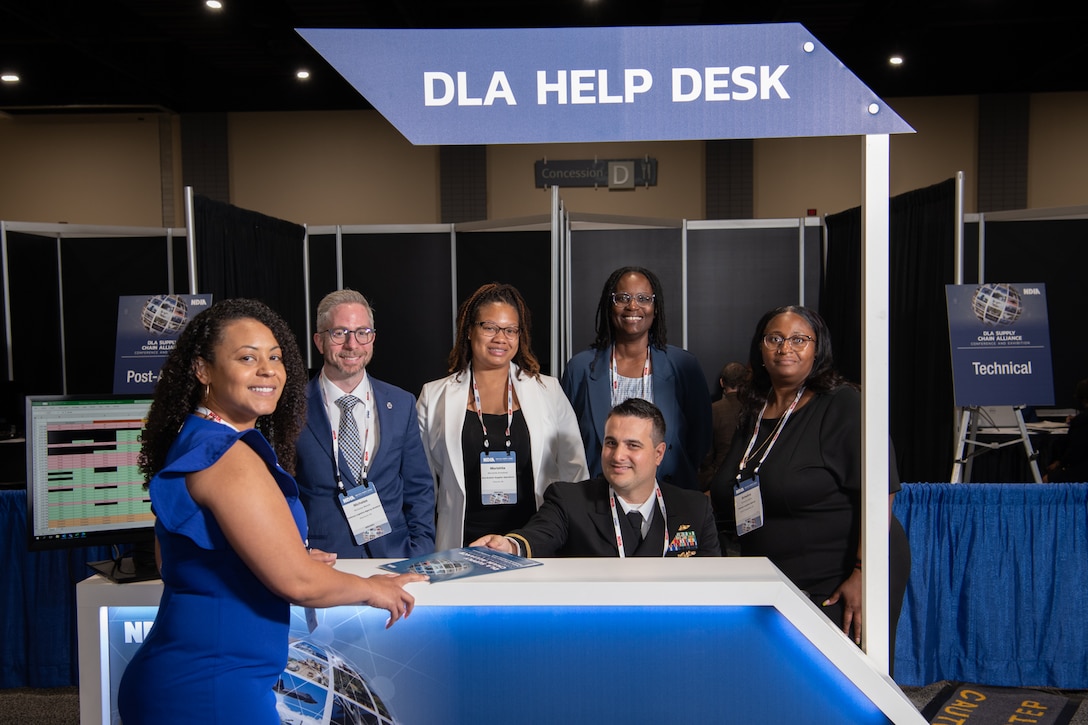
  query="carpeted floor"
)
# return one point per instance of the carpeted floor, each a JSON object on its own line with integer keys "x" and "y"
{"x": 29, "y": 706}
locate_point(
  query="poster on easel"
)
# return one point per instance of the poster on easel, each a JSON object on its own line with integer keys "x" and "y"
{"x": 1000, "y": 339}
{"x": 148, "y": 327}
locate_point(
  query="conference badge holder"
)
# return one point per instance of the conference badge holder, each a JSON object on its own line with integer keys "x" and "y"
{"x": 747, "y": 500}
{"x": 365, "y": 513}
{"x": 499, "y": 478}
{"x": 748, "y": 506}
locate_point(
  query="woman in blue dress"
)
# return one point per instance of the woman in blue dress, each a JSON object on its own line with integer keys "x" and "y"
{"x": 217, "y": 450}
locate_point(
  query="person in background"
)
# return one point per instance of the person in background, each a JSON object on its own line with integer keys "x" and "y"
{"x": 229, "y": 525}
{"x": 631, "y": 359}
{"x": 627, "y": 511}
{"x": 1071, "y": 454}
{"x": 724, "y": 412}
{"x": 361, "y": 442}
{"x": 496, "y": 431}
{"x": 793, "y": 476}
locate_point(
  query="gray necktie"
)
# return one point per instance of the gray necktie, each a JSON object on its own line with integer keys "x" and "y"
{"x": 348, "y": 438}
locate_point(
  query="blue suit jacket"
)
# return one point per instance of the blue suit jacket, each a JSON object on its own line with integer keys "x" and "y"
{"x": 399, "y": 471}
{"x": 680, "y": 392}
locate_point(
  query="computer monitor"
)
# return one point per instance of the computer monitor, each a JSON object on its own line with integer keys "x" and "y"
{"x": 83, "y": 484}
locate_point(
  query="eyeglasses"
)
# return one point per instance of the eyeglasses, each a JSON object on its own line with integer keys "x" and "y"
{"x": 339, "y": 335}
{"x": 622, "y": 299}
{"x": 797, "y": 342}
{"x": 490, "y": 329}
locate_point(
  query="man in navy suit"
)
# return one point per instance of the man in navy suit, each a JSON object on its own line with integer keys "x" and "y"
{"x": 624, "y": 513}
{"x": 364, "y": 481}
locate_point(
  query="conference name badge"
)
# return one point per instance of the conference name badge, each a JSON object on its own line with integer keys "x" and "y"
{"x": 748, "y": 506}
{"x": 365, "y": 513}
{"x": 499, "y": 478}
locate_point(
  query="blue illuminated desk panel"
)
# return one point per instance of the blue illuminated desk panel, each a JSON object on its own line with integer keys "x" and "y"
{"x": 575, "y": 640}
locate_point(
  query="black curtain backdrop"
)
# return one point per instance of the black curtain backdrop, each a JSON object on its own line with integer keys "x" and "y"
{"x": 242, "y": 253}
{"x": 1054, "y": 252}
{"x": 322, "y": 261}
{"x": 840, "y": 296}
{"x": 921, "y": 263}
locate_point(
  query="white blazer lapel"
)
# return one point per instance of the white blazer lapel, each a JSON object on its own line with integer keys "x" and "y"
{"x": 532, "y": 409}
{"x": 453, "y": 412}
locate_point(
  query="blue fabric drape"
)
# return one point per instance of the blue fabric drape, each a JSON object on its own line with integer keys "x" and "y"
{"x": 997, "y": 584}
{"x": 38, "y": 603}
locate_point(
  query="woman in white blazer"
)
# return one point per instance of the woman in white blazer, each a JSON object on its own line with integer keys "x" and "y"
{"x": 496, "y": 430}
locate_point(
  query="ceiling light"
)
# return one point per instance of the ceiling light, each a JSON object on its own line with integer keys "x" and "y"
{"x": 302, "y": 75}
{"x": 895, "y": 60}
{"x": 9, "y": 77}
{"x": 214, "y": 4}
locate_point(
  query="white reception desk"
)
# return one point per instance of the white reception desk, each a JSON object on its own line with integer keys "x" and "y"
{"x": 573, "y": 640}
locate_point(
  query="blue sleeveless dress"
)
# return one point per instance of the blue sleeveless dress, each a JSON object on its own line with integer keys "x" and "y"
{"x": 219, "y": 642}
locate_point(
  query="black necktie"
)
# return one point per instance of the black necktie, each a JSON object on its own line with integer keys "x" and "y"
{"x": 636, "y": 522}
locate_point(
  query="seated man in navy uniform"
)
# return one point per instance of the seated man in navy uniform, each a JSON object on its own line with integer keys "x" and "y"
{"x": 624, "y": 513}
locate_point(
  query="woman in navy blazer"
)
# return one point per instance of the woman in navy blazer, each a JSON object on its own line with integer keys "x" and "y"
{"x": 631, "y": 359}
{"x": 495, "y": 401}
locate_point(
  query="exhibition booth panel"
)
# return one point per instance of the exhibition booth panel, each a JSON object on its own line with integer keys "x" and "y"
{"x": 406, "y": 273}
{"x": 737, "y": 270}
{"x": 593, "y": 640}
{"x": 718, "y": 277}
{"x": 61, "y": 283}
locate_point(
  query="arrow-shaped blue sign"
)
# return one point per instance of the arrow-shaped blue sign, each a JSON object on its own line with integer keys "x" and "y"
{"x": 555, "y": 85}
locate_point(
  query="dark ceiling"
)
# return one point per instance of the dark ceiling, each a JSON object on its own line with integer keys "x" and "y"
{"x": 178, "y": 55}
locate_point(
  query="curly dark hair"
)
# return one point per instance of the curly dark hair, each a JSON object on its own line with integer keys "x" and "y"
{"x": 822, "y": 378}
{"x": 606, "y": 333}
{"x": 461, "y": 354}
{"x": 178, "y": 391}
